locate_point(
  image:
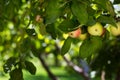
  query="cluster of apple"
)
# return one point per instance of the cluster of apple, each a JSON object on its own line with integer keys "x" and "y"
{"x": 95, "y": 30}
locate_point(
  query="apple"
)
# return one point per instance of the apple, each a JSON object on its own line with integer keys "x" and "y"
{"x": 75, "y": 34}
{"x": 38, "y": 18}
{"x": 78, "y": 34}
{"x": 115, "y": 31}
{"x": 96, "y": 29}
{"x": 83, "y": 36}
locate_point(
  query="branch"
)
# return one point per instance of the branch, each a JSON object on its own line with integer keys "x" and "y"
{"x": 103, "y": 75}
{"x": 77, "y": 69}
{"x": 50, "y": 74}
{"x": 38, "y": 55}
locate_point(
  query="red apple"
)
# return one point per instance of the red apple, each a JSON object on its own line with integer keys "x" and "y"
{"x": 75, "y": 34}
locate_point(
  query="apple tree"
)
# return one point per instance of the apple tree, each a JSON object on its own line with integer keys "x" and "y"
{"x": 89, "y": 30}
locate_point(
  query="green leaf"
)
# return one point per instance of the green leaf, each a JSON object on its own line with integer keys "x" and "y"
{"x": 66, "y": 46}
{"x": 90, "y": 46}
{"x": 116, "y": 1}
{"x": 79, "y": 10}
{"x": 1, "y": 26}
{"x": 16, "y": 74}
{"x": 53, "y": 11}
{"x": 42, "y": 29}
{"x": 110, "y": 8}
{"x": 107, "y": 20}
{"x": 106, "y": 36}
{"x": 68, "y": 25}
{"x": 52, "y": 30}
{"x": 30, "y": 32}
{"x": 101, "y": 3}
{"x": 25, "y": 45}
{"x": 30, "y": 67}
{"x": 90, "y": 11}
{"x": 9, "y": 64}
{"x": 91, "y": 21}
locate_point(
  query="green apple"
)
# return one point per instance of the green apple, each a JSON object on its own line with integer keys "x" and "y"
{"x": 83, "y": 36}
{"x": 115, "y": 31}
{"x": 75, "y": 34}
{"x": 96, "y": 29}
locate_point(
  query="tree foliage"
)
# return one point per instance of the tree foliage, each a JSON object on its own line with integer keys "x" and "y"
{"x": 38, "y": 27}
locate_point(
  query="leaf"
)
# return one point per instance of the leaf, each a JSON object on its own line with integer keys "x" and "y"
{"x": 53, "y": 11}
{"x": 68, "y": 25}
{"x": 90, "y": 46}
{"x": 51, "y": 29}
{"x": 1, "y": 28}
{"x": 25, "y": 45}
{"x": 9, "y": 64}
{"x": 101, "y": 3}
{"x": 90, "y": 11}
{"x": 106, "y": 20}
{"x": 16, "y": 74}
{"x": 30, "y": 32}
{"x": 66, "y": 46}
{"x": 2, "y": 23}
{"x": 79, "y": 10}
{"x": 30, "y": 67}
{"x": 91, "y": 21}
{"x": 110, "y": 8}
{"x": 42, "y": 29}
{"x": 116, "y": 1}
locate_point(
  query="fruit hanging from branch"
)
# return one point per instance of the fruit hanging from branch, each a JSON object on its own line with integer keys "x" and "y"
{"x": 78, "y": 34}
{"x": 96, "y": 29}
{"x": 115, "y": 31}
{"x": 83, "y": 36}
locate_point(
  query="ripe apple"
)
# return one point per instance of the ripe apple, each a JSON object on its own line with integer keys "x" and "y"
{"x": 75, "y": 34}
{"x": 115, "y": 31}
{"x": 78, "y": 34}
{"x": 96, "y": 29}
